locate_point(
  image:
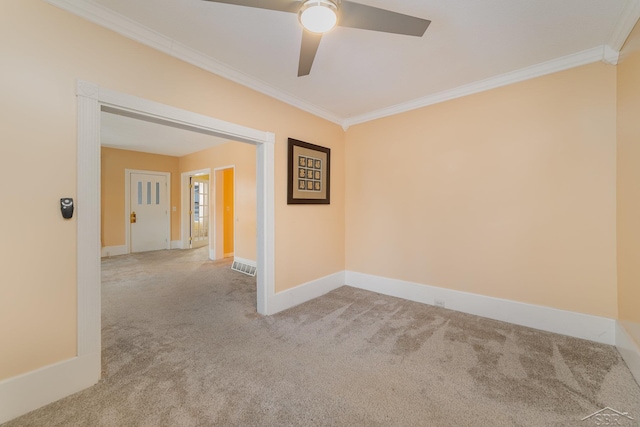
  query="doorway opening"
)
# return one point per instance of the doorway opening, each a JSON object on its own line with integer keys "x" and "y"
{"x": 196, "y": 208}
{"x": 209, "y": 197}
{"x": 199, "y": 201}
{"x": 224, "y": 214}
{"x": 91, "y": 100}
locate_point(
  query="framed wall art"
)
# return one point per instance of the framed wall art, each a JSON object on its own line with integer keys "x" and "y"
{"x": 309, "y": 172}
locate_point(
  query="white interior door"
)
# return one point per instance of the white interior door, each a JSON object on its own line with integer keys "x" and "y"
{"x": 149, "y": 212}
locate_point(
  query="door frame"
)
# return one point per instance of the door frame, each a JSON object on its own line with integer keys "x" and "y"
{"x": 215, "y": 207}
{"x": 127, "y": 205}
{"x": 185, "y": 203}
{"x": 91, "y": 100}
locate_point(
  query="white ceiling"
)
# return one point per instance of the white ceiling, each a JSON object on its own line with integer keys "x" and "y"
{"x": 359, "y": 75}
{"x": 128, "y": 133}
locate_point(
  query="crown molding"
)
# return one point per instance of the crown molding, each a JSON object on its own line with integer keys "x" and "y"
{"x": 102, "y": 16}
{"x": 139, "y": 33}
{"x": 609, "y": 55}
{"x": 574, "y": 60}
{"x": 625, "y": 24}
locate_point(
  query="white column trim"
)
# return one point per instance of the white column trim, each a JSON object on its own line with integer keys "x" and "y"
{"x": 88, "y": 220}
{"x": 265, "y": 154}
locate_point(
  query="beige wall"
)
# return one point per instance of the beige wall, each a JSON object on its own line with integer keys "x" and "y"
{"x": 243, "y": 157}
{"x": 113, "y": 164}
{"x": 49, "y": 50}
{"x": 508, "y": 193}
{"x": 629, "y": 179}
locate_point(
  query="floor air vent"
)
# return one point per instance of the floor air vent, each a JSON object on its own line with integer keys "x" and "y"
{"x": 244, "y": 268}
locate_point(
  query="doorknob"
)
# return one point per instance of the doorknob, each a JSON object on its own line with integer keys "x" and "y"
{"x": 133, "y": 218}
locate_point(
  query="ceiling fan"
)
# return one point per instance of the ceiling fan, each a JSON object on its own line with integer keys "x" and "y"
{"x": 319, "y": 16}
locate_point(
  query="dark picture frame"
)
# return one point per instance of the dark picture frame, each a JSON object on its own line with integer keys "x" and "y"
{"x": 309, "y": 168}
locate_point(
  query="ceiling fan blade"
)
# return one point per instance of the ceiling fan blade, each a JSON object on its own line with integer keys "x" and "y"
{"x": 281, "y": 5}
{"x": 356, "y": 15}
{"x": 308, "y": 49}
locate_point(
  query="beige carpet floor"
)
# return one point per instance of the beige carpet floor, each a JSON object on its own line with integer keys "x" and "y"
{"x": 184, "y": 346}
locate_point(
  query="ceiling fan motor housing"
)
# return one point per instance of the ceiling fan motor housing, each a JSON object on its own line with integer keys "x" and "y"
{"x": 318, "y": 16}
{"x": 351, "y": 15}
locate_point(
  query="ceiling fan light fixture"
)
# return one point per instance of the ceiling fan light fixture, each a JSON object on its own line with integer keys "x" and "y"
{"x": 318, "y": 16}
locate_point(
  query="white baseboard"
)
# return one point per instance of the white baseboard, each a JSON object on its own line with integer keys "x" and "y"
{"x": 305, "y": 292}
{"x": 27, "y": 392}
{"x": 122, "y": 249}
{"x": 593, "y": 328}
{"x": 114, "y": 250}
{"x": 629, "y": 346}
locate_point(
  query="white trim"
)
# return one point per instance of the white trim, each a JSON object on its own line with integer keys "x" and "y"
{"x": 570, "y": 61}
{"x": 266, "y": 241}
{"x": 629, "y": 347}
{"x": 108, "y": 251}
{"x": 37, "y": 388}
{"x": 610, "y": 56}
{"x": 212, "y": 254}
{"x": 305, "y": 292}
{"x": 160, "y": 113}
{"x": 127, "y": 205}
{"x": 122, "y": 25}
{"x": 593, "y": 328}
{"x": 89, "y": 345}
{"x": 26, "y": 392}
{"x": 185, "y": 196}
{"x": 176, "y": 244}
{"x": 624, "y": 26}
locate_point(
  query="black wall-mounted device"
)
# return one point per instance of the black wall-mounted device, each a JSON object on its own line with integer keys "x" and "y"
{"x": 66, "y": 207}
